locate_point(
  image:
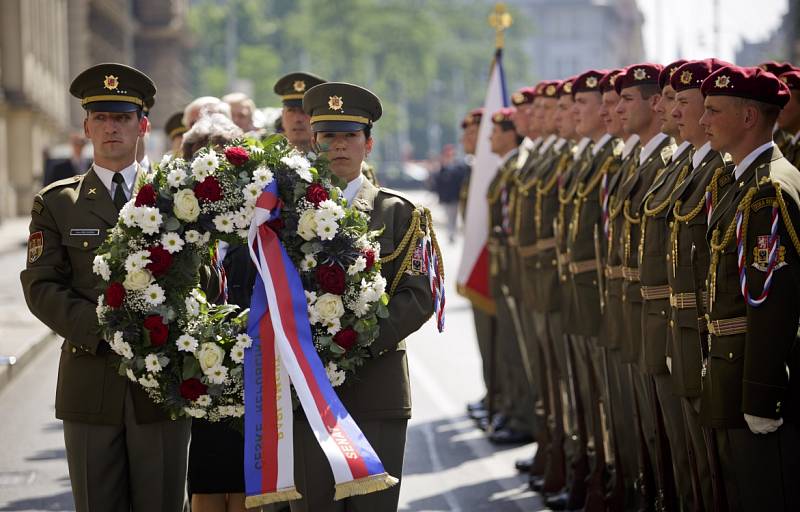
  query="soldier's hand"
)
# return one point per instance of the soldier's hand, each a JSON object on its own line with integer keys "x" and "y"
{"x": 759, "y": 425}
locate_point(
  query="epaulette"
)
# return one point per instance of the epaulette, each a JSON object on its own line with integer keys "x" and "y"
{"x": 395, "y": 193}
{"x": 618, "y": 147}
{"x": 666, "y": 153}
{"x": 61, "y": 183}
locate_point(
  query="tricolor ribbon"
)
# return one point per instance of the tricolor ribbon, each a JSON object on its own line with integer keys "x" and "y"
{"x": 283, "y": 353}
{"x": 742, "y": 259}
{"x": 435, "y": 278}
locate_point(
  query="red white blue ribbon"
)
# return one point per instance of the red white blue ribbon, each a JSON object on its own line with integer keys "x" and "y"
{"x": 283, "y": 353}
{"x": 436, "y": 279}
{"x": 742, "y": 259}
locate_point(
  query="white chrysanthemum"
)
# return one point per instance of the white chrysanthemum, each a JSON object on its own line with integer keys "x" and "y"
{"x": 151, "y": 363}
{"x": 358, "y": 266}
{"x": 327, "y": 230}
{"x": 192, "y": 306}
{"x": 360, "y": 307}
{"x": 150, "y": 220}
{"x": 154, "y": 295}
{"x": 311, "y": 297}
{"x": 130, "y": 215}
{"x": 251, "y": 192}
{"x": 224, "y": 222}
{"x": 313, "y": 315}
{"x": 130, "y": 374}
{"x": 101, "y": 308}
{"x": 330, "y": 206}
{"x": 308, "y": 263}
{"x": 148, "y": 381}
{"x": 176, "y": 177}
{"x": 333, "y": 325}
{"x": 300, "y": 165}
{"x": 262, "y": 176}
{"x": 195, "y": 412}
{"x": 243, "y": 217}
{"x": 335, "y": 375}
{"x": 217, "y": 374}
{"x": 186, "y": 342}
{"x": 244, "y": 340}
{"x": 137, "y": 260}
{"x": 307, "y": 225}
{"x": 192, "y": 236}
{"x": 172, "y": 242}
{"x": 203, "y": 401}
{"x": 204, "y": 165}
{"x": 372, "y": 291}
{"x": 237, "y": 354}
{"x": 165, "y": 160}
{"x": 101, "y": 268}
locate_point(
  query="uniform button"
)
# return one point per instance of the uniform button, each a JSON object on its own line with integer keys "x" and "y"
{"x": 663, "y": 313}
{"x": 594, "y": 282}
{"x": 672, "y": 323}
{"x": 74, "y": 350}
{"x": 730, "y": 355}
{"x": 538, "y": 265}
{"x": 554, "y": 262}
{"x": 86, "y": 244}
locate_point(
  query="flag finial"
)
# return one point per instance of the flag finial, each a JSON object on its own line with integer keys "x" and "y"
{"x": 500, "y": 19}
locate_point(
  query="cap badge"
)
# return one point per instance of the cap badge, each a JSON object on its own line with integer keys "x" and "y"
{"x": 639, "y": 74}
{"x": 299, "y": 86}
{"x": 518, "y": 98}
{"x": 722, "y": 82}
{"x": 686, "y": 77}
{"x": 591, "y": 82}
{"x": 335, "y": 102}
{"x": 111, "y": 82}
{"x": 551, "y": 90}
{"x": 568, "y": 87}
{"x": 498, "y": 118}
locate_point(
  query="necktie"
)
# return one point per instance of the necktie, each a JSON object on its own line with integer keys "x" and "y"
{"x": 119, "y": 194}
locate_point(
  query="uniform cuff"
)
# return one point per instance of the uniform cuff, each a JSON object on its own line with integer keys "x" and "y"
{"x": 762, "y": 400}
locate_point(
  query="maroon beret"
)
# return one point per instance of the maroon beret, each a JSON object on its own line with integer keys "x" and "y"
{"x": 565, "y": 88}
{"x": 503, "y": 115}
{"x": 750, "y": 83}
{"x": 776, "y": 68}
{"x": 692, "y": 74}
{"x": 791, "y": 79}
{"x": 588, "y": 81}
{"x": 550, "y": 88}
{"x": 638, "y": 74}
{"x": 473, "y": 117}
{"x": 523, "y": 96}
{"x": 608, "y": 80}
{"x": 668, "y": 71}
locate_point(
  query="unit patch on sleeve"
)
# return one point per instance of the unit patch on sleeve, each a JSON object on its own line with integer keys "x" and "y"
{"x": 761, "y": 254}
{"x": 35, "y": 246}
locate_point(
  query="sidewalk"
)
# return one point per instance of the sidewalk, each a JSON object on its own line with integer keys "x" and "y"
{"x": 21, "y": 334}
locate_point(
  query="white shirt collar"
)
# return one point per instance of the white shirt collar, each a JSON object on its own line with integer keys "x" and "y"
{"x": 678, "y": 152}
{"x": 353, "y": 187}
{"x": 559, "y": 144}
{"x": 651, "y": 146}
{"x": 795, "y": 137}
{"x": 582, "y": 144}
{"x": 547, "y": 143}
{"x": 630, "y": 143}
{"x": 600, "y": 143}
{"x": 508, "y": 156}
{"x": 700, "y": 154}
{"x": 107, "y": 177}
{"x": 748, "y": 160}
{"x": 145, "y": 163}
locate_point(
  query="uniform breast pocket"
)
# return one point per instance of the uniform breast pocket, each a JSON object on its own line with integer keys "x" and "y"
{"x": 81, "y": 245}
{"x": 728, "y": 271}
{"x": 726, "y": 371}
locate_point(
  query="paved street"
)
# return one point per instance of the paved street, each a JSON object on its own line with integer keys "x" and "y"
{"x": 449, "y": 465}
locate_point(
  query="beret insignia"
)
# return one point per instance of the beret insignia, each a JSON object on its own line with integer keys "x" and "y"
{"x": 722, "y": 82}
{"x": 568, "y": 87}
{"x": 686, "y": 77}
{"x": 517, "y": 97}
{"x": 639, "y": 74}
{"x": 591, "y": 82}
{"x": 551, "y": 90}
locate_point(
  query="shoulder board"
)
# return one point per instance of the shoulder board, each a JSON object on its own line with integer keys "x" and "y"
{"x": 66, "y": 182}
{"x": 617, "y": 147}
{"x": 666, "y": 153}
{"x": 395, "y": 193}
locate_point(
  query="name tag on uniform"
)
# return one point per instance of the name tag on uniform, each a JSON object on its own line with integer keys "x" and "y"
{"x": 84, "y": 232}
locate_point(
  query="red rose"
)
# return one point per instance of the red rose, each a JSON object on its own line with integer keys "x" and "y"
{"x": 146, "y": 196}
{"x": 236, "y": 155}
{"x": 276, "y": 224}
{"x": 115, "y": 294}
{"x": 191, "y": 389}
{"x": 346, "y": 338}
{"x": 208, "y": 190}
{"x": 331, "y": 278}
{"x": 158, "y": 331}
{"x": 369, "y": 255}
{"x": 316, "y": 193}
{"x": 160, "y": 261}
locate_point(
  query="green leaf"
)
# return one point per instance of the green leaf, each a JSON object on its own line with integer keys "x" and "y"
{"x": 191, "y": 367}
{"x": 336, "y": 349}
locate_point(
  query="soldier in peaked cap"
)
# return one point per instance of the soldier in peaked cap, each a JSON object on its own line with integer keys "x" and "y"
{"x": 342, "y": 117}
{"x": 174, "y": 130}
{"x": 123, "y": 451}
{"x": 291, "y": 88}
{"x": 751, "y": 388}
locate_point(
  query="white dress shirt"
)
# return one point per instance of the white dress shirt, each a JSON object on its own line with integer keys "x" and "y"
{"x": 352, "y": 188}
{"x": 748, "y": 160}
{"x": 651, "y": 146}
{"x": 107, "y": 177}
{"x": 700, "y": 154}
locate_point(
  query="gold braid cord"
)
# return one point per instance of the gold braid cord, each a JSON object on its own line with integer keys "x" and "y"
{"x": 583, "y": 193}
{"x": 543, "y": 189}
{"x": 416, "y": 231}
{"x": 675, "y": 226}
{"x": 652, "y": 212}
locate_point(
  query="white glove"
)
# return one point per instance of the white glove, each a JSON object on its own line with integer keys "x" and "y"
{"x": 669, "y": 364}
{"x": 759, "y": 425}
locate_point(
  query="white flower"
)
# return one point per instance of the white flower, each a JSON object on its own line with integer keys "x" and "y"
{"x": 224, "y": 222}
{"x": 192, "y": 236}
{"x": 185, "y": 205}
{"x": 204, "y": 165}
{"x": 148, "y": 381}
{"x": 209, "y": 356}
{"x": 308, "y": 263}
{"x": 371, "y": 292}
{"x": 192, "y": 306}
{"x": 244, "y": 340}
{"x": 150, "y": 220}
{"x": 330, "y": 206}
{"x": 251, "y": 192}
{"x": 130, "y": 215}
{"x": 117, "y": 339}
{"x": 176, "y": 177}
{"x": 203, "y": 401}
{"x": 206, "y": 237}
{"x": 101, "y": 268}
{"x": 243, "y": 217}
{"x": 262, "y": 176}
{"x": 165, "y": 160}
{"x": 195, "y": 412}
{"x": 137, "y": 260}
{"x": 154, "y": 295}
{"x": 329, "y": 306}
{"x": 360, "y": 307}
{"x": 307, "y": 225}
{"x": 101, "y": 308}
{"x": 186, "y": 343}
{"x": 217, "y": 374}
{"x": 172, "y": 242}
{"x": 237, "y": 354}
{"x": 300, "y": 165}
{"x": 333, "y": 325}
{"x": 313, "y": 315}
{"x": 359, "y": 265}
{"x": 131, "y": 375}
{"x": 311, "y": 297}
{"x": 137, "y": 279}
{"x": 327, "y": 230}
{"x": 151, "y": 363}
{"x": 335, "y": 375}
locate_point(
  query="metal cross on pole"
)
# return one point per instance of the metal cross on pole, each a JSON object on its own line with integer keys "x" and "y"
{"x": 500, "y": 19}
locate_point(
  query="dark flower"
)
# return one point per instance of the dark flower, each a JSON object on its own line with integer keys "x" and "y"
{"x": 146, "y": 196}
{"x": 331, "y": 278}
{"x": 115, "y": 294}
{"x": 316, "y": 193}
{"x": 346, "y": 338}
{"x": 208, "y": 190}
{"x": 369, "y": 255}
{"x": 237, "y": 155}
{"x": 191, "y": 389}
{"x": 157, "y": 329}
{"x": 160, "y": 261}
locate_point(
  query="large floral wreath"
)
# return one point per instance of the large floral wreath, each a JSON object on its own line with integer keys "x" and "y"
{"x": 187, "y": 352}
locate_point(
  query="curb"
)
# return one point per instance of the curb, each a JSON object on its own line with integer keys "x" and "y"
{"x": 8, "y": 371}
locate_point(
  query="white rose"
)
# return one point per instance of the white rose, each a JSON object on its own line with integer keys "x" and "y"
{"x": 185, "y": 205}
{"x": 329, "y": 306}
{"x": 307, "y": 225}
{"x": 138, "y": 279}
{"x": 210, "y": 355}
